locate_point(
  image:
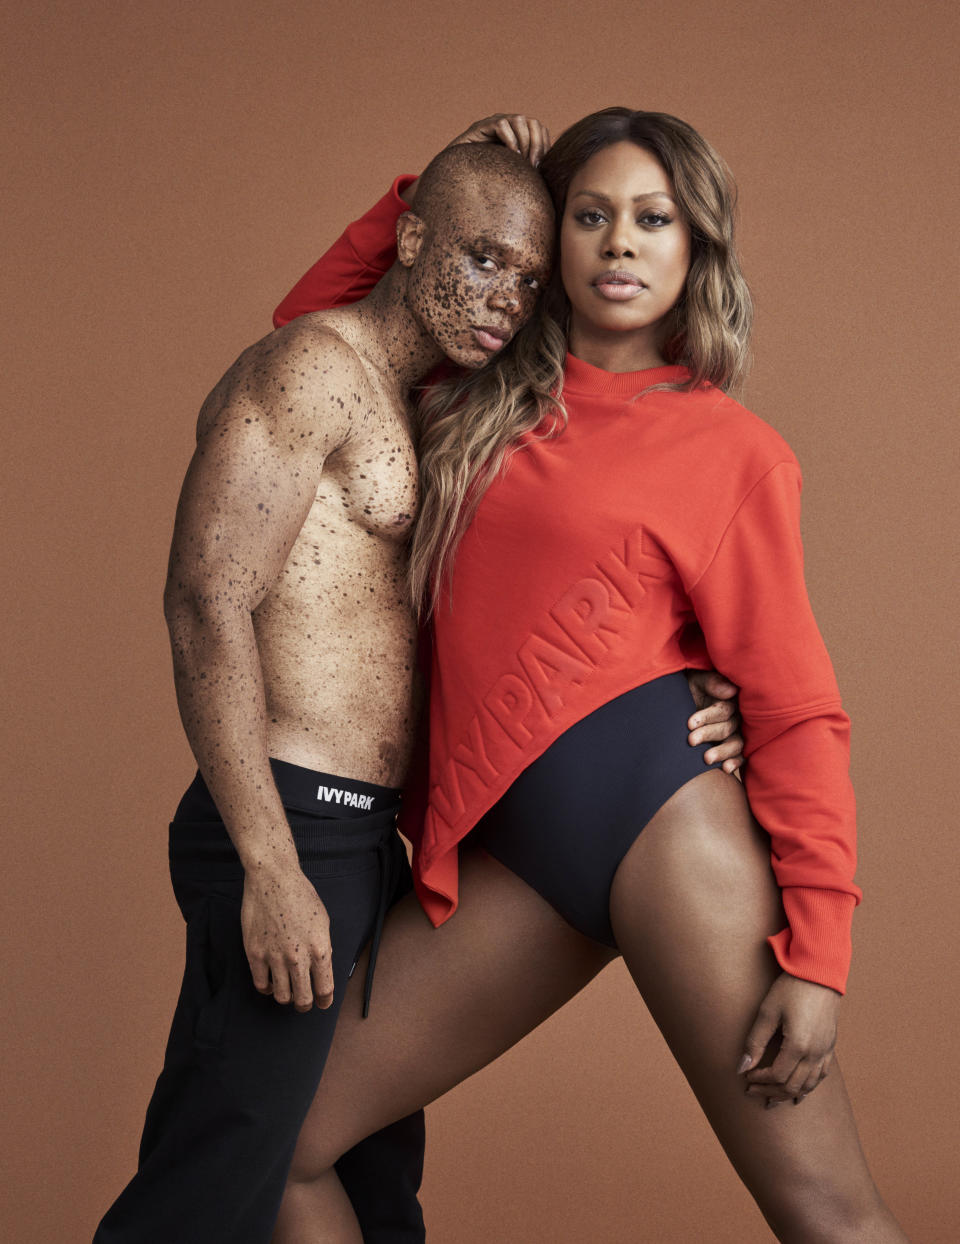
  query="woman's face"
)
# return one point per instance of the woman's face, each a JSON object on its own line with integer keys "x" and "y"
{"x": 624, "y": 247}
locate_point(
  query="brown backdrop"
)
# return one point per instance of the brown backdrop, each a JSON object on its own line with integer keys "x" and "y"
{"x": 174, "y": 167}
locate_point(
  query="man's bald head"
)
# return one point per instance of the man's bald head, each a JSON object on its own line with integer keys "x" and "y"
{"x": 486, "y": 171}
{"x": 477, "y": 247}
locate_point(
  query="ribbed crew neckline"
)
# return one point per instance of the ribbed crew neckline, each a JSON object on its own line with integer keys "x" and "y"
{"x": 581, "y": 377}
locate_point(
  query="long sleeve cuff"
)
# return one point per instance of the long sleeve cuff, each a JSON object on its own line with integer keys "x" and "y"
{"x": 816, "y": 943}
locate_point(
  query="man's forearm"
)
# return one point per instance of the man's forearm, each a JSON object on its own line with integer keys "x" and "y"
{"x": 220, "y": 692}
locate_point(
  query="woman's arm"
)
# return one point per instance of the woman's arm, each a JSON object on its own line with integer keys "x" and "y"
{"x": 353, "y": 265}
{"x": 366, "y": 249}
{"x": 752, "y": 604}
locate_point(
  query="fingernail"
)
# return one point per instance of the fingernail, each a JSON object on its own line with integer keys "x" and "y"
{"x": 744, "y": 1064}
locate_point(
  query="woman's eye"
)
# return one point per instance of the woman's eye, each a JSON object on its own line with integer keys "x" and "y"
{"x": 590, "y": 216}
{"x": 657, "y": 219}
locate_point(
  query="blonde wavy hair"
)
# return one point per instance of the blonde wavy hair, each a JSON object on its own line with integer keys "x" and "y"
{"x": 470, "y": 425}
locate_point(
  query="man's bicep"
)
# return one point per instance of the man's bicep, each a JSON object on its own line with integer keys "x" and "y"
{"x": 246, "y": 495}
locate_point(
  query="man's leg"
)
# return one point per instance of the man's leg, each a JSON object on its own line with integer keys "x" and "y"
{"x": 240, "y": 1070}
{"x": 382, "y": 1177}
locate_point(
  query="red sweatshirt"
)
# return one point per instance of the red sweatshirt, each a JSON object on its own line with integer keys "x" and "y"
{"x": 593, "y": 565}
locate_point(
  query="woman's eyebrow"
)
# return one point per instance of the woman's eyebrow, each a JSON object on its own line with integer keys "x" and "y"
{"x": 605, "y": 198}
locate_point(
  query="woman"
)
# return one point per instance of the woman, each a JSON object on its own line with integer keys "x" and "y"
{"x": 557, "y": 693}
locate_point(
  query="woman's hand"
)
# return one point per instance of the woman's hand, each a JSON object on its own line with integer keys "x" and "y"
{"x": 801, "y": 1018}
{"x": 525, "y": 135}
{"x": 717, "y": 719}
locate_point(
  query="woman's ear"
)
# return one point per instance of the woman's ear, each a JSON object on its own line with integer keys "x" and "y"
{"x": 410, "y": 234}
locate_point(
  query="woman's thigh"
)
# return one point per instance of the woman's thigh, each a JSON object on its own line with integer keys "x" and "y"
{"x": 445, "y": 1003}
{"x": 691, "y": 905}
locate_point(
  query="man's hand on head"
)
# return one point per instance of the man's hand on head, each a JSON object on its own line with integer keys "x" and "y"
{"x": 717, "y": 719}
{"x": 286, "y": 936}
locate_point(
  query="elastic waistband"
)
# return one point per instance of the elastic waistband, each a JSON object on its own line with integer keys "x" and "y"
{"x": 301, "y": 790}
{"x": 325, "y": 794}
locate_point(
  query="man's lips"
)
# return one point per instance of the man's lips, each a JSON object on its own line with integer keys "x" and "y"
{"x": 490, "y": 337}
{"x": 618, "y": 285}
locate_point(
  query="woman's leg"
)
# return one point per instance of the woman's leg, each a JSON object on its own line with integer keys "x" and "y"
{"x": 445, "y": 1003}
{"x": 691, "y": 906}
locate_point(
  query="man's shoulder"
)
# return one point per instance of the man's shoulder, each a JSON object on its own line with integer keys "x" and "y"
{"x": 296, "y": 375}
{"x": 312, "y": 354}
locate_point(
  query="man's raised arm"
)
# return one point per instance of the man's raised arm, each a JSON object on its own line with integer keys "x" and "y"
{"x": 247, "y": 492}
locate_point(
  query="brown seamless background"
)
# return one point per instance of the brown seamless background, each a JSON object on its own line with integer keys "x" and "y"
{"x": 173, "y": 169}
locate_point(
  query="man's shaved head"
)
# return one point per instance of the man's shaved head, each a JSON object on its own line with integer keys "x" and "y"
{"x": 478, "y": 245}
{"x": 485, "y": 169}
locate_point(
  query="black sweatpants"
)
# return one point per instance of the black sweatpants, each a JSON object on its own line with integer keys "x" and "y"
{"x": 240, "y": 1071}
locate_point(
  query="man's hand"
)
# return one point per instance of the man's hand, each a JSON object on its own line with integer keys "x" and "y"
{"x": 286, "y": 934}
{"x": 805, "y": 1017}
{"x": 525, "y": 135}
{"x": 716, "y": 719}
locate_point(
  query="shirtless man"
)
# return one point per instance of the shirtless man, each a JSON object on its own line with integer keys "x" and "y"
{"x": 293, "y": 648}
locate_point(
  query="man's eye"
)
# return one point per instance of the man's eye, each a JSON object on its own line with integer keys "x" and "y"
{"x": 531, "y": 282}
{"x": 485, "y": 262}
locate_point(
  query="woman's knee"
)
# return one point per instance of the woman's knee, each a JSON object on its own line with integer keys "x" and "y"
{"x": 320, "y": 1146}
{"x": 816, "y": 1210}
{"x": 310, "y": 1164}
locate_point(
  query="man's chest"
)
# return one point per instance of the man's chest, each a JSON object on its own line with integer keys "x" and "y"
{"x": 371, "y": 483}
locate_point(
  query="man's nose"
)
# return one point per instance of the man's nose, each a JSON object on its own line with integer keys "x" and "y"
{"x": 506, "y": 297}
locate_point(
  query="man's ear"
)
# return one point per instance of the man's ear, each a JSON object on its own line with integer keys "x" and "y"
{"x": 411, "y": 232}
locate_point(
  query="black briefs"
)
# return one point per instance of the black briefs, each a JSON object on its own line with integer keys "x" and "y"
{"x": 570, "y": 817}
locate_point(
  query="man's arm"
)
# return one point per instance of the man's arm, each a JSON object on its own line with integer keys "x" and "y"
{"x": 246, "y": 495}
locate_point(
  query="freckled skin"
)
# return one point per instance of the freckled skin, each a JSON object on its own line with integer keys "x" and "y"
{"x": 286, "y": 596}
{"x": 497, "y": 240}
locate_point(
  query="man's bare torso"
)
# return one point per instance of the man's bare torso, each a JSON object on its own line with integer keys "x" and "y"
{"x": 335, "y": 633}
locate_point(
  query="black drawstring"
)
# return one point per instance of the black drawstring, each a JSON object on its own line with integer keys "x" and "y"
{"x": 383, "y": 859}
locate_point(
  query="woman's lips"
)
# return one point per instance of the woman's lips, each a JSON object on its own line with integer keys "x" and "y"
{"x": 618, "y": 286}
{"x": 490, "y": 338}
